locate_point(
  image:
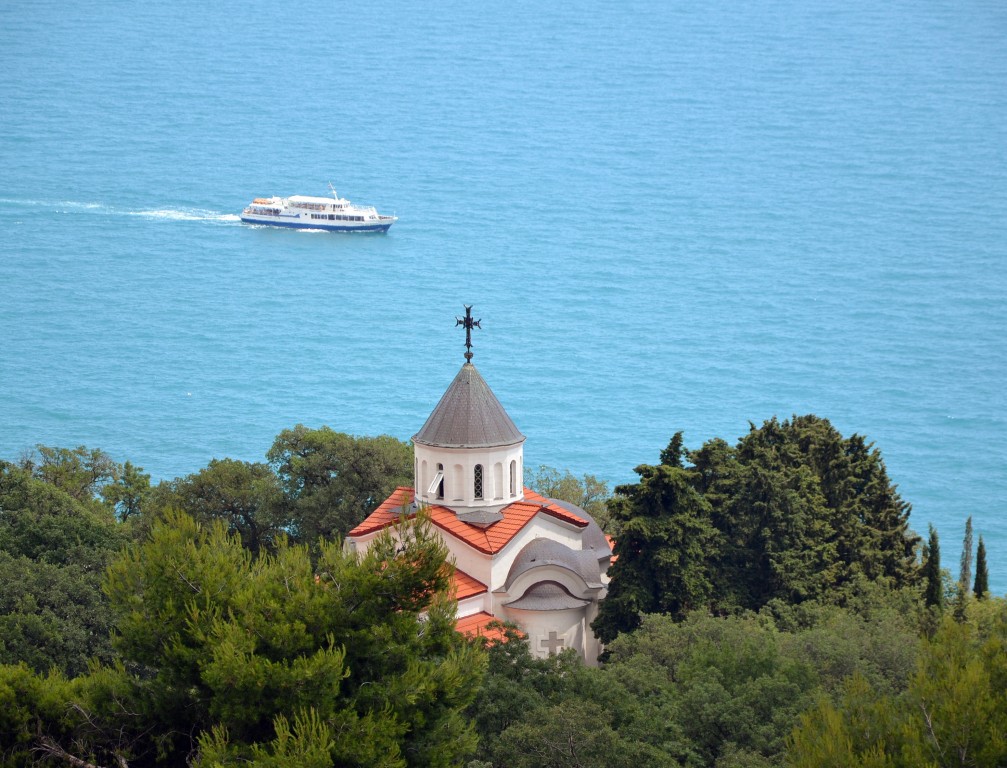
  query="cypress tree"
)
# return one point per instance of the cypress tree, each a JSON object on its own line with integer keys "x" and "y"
{"x": 665, "y": 538}
{"x": 966, "y": 571}
{"x": 981, "y": 586}
{"x": 934, "y": 593}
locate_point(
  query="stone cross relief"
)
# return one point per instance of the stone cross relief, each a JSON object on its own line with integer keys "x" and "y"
{"x": 553, "y": 643}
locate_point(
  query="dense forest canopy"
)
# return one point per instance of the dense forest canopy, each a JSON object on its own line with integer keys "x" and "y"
{"x": 769, "y": 606}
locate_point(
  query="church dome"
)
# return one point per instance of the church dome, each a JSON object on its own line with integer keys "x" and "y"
{"x": 542, "y": 553}
{"x": 468, "y": 416}
{"x": 547, "y": 596}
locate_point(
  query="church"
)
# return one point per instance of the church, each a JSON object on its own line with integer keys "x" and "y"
{"x": 520, "y": 557}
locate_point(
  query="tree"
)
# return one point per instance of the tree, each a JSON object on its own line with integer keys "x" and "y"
{"x": 961, "y": 597}
{"x": 733, "y": 685}
{"x": 556, "y": 711}
{"x": 233, "y": 660}
{"x": 51, "y": 616}
{"x": 706, "y": 690}
{"x": 981, "y": 587}
{"x": 128, "y": 492}
{"x": 588, "y": 493}
{"x": 54, "y": 549}
{"x": 80, "y": 472}
{"x": 662, "y": 550}
{"x": 793, "y": 512}
{"x": 965, "y": 575}
{"x": 575, "y": 734}
{"x": 331, "y": 481}
{"x": 245, "y": 496}
{"x": 847, "y": 507}
{"x": 934, "y": 594}
{"x": 32, "y": 708}
{"x": 954, "y": 712}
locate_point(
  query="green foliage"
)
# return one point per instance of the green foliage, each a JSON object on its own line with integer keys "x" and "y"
{"x": 128, "y": 492}
{"x": 703, "y": 691}
{"x": 51, "y": 616}
{"x": 874, "y": 635}
{"x": 732, "y": 683}
{"x": 42, "y": 522}
{"x": 804, "y": 512}
{"x": 53, "y": 550}
{"x": 981, "y": 587}
{"x": 965, "y": 577}
{"x": 589, "y": 493}
{"x": 934, "y": 594}
{"x": 954, "y": 711}
{"x": 332, "y": 480}
{"x": 230, "y": 658}
{"x": 245, "y": 496}
{"x": 557, "y": 712}
{"x": 575, "y": 734}
{"x": 664, "y": 539}
{"x": 793, "y": 512}
{"x": 80, "y": 472}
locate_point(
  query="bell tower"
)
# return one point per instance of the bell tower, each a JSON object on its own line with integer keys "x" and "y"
{"x": 469, "y": 455}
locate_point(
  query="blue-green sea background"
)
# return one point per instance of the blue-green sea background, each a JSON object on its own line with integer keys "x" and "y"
{"x": 669, "y": 216}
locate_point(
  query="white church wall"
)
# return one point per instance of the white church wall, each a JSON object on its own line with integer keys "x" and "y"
{"x": 459, "y": 474}
{"x": 472, "y": 605}
{"x": 553, "y": 631}
{"x": 592, "y": 645}
{"x": 468, "y": 559}
{"x": 542, "y": 526}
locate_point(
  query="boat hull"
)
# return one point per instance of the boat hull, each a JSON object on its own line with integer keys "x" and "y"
{"x": 298, "y": 223}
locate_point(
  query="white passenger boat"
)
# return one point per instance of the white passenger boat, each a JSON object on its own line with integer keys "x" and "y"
{"x": 304, "y": 212}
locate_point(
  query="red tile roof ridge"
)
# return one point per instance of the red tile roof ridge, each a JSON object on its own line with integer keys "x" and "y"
{"x": 466, "y": 585}
{"x": 397, "y": 505}
{"x": 555, "y": 510}
{"x": 488, "y": 540}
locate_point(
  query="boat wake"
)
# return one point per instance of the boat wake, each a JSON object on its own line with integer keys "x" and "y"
{"x": 101, "y": 209}
{"x": 186, "y": 214}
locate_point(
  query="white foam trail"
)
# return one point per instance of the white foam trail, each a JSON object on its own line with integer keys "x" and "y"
{"x": 168, "y": 214}
{"x": 61, "y": 204}
{"x": 185, "y": 214}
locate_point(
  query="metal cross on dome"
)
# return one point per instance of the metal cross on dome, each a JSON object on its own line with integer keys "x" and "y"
{"x": 469, "y": 324}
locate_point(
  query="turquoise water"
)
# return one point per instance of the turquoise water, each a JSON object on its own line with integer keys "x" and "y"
{"x": 669, "y": 216}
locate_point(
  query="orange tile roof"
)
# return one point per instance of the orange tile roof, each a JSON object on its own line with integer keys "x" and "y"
{"x": 487, "y": 540}
{"x": 466, "y": 586}
{"x": 391, "y": 509}
{"x": 475, "y": 626}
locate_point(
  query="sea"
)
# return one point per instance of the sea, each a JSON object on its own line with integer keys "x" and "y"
{"x": 666, "y": 215}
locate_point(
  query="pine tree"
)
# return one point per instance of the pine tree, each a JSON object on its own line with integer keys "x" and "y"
{"x": 981, "y": 587}
{"x": 932, "y": 572}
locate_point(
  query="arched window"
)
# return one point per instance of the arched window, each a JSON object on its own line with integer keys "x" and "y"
{"x": 513, "y": 478}
{"x": 440, "y": 485}
{"x": 478, "y": 481}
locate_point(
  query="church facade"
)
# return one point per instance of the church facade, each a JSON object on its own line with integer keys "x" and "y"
{"x": 520, "y": 557}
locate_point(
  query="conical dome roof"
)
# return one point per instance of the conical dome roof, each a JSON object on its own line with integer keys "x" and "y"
{"x": 468, "y": 416}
